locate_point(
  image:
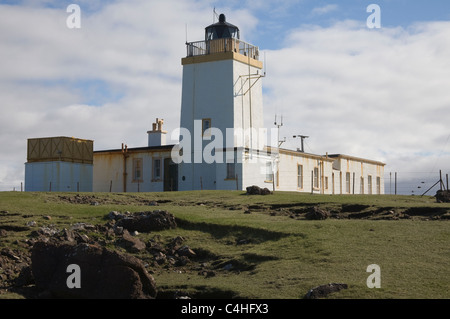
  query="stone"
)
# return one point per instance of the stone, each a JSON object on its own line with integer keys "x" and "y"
{"x": 316, "y": 213}
{"x": 148, "y": 221}
{"x": 443, "y": 196}
{"x": 256, "y": 190}
{"x": 105, "y": 274}
{"x": 324, "y": 290}
{"x": 185, "y": 251}
{"x": 132, "y": 243}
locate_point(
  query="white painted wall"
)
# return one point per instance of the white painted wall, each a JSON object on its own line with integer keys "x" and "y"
{"x": 109, "y": 166}
{"x": 359, "y": 168}
{"x": 219, "y": 91}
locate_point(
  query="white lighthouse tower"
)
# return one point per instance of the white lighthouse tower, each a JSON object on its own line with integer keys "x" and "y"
{"x": 221, "y": 109}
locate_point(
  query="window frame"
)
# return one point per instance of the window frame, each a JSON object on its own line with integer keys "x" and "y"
{"x": 138, "y": 167}
{"x": 156, "y": 178}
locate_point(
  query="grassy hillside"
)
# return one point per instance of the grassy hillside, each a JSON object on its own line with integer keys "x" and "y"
{"x": 264, "y": 246}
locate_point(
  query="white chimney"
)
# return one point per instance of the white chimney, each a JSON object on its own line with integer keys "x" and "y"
{"x": 157, "y": 137}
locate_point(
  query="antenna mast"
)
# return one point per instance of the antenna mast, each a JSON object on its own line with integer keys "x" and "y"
{"x": 278, "y": 125}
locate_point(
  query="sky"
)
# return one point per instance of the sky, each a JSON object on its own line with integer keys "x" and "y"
{"x": 377, "y": 93}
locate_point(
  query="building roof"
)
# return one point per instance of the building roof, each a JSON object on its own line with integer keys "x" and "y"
{"x": 139, "y": 149}
{"x": 354, "y": 158}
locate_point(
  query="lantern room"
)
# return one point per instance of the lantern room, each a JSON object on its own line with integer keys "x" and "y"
{"x": 221, "y": 29}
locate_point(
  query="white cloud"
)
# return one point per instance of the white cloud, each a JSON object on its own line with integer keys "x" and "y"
{"x": 380, "y": 94}
{"x": 127, "y": 52}
{"x": 377, "y": 94}
{"x": 324, "y": 10}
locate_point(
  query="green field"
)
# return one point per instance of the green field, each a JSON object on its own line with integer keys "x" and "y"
{"x": 263, "y": 246}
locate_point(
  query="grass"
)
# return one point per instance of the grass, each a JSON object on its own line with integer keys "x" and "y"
{"x": 274, "y": 256}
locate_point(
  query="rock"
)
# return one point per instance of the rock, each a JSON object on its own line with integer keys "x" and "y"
{"x": 131, "y": 243}
{"x": 443, "y": 196}
{"x": 25, "y": 277}
{"x": 324, "y": 290}
{"x": 148, "y": 221}
{"x": 47, "y": 217}
{"x": 3, "y": 233}
{"x": 113, "y": 215}
{"x": 316, "y": 213}
{"x": 105, "y": 274}
{"x": 182, "y": 261}
{"x": 256, "y": 190}
{"x": 185, "y": 251}
{"x": 31, "y": 223}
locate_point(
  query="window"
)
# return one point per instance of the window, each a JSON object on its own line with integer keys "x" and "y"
{"x": 157, "y": 169}
{"x": 347, "y": 182}
{"x": 361, "y": 190}
{"x": 369, "y": 184}
{"x": 316, "y": 177}
{"x": 378, "y": 185}
{"x": 137, "y": 170}
{"x": 206, "y": 124}
{"x": 269, "y": 172}
{"x": 326, "y": 182}
{"x": 231, "y": 171}
{"x": 300, "y": 176}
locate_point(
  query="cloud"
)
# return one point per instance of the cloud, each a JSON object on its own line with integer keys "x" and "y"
{"x": 375, "y": 94}
{"x": 107, "y": 81}
{"x": 324, "y": 10}
{"x": 380, "y": 94}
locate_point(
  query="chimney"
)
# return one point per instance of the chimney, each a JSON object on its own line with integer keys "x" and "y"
{"x": 157, "y": 137}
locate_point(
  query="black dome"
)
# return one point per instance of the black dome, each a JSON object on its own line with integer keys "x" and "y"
{"x": 221, "y": 29}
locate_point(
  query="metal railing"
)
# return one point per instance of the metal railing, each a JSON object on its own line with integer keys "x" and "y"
{"x": 222, "y": 45}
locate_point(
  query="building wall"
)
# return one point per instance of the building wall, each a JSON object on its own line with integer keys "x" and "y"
{"x": 217, "y": 90}
{"x": 109, "y": 171}
{"x": 358, "y": 176}
{"x": 58, "y": 176}
{"x": 314, "y": 174}
{"x": 248, "y": 106}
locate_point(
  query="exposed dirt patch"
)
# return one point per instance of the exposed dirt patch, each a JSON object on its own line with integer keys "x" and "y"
{"x": 106, "y": 200}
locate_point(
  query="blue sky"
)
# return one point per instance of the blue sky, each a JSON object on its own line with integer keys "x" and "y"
{"x": 373, "y": 93}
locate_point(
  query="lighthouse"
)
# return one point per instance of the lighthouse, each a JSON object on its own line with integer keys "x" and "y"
{"x": 223, "y": 144}
{"x": 221, "y": 108}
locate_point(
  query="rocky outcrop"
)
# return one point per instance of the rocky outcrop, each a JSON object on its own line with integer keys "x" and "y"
{"x": 443, "y": 196}
{"x": 324, "y": 290}
{"x": 256, "y": 190}
{"x": 316, "y": 213}
{"x": 144, "y": 221}
{"x": 104, "y": 274}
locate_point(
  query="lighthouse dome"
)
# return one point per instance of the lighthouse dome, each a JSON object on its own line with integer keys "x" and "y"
{"x": 221, "y": 29}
